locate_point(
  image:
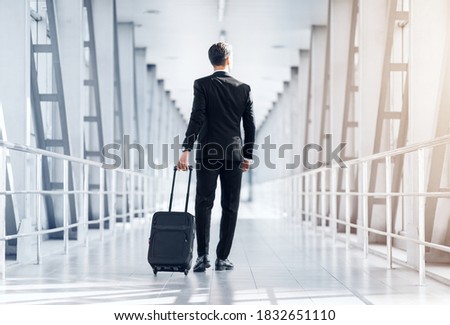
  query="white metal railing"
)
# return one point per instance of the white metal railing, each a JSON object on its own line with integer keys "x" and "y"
{"x": 139, "y": 187}
{"x": 303, "y": 187}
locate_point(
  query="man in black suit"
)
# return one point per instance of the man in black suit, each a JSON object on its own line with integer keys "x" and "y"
{"x": 220, "y": 103}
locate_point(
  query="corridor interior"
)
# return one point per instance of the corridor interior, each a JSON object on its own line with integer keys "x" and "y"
{"x": 349, "y": 190}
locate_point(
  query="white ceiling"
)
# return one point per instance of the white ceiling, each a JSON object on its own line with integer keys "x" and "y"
{"x": 266, "y": 36}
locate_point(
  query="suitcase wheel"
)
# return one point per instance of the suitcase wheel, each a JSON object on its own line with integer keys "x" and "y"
{"x": 155, "y": 271}
{"x": 186, "y": 272}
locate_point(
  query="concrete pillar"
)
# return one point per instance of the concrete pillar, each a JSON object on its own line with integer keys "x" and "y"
{"x": 15, "y": 107}
{"x": 103, "y": 12}
{"x": 170, "y": 127}
{"x": 168, "y": 123}
{"x": 104, "y": 37}
{"x": 430, "y": 43}
{"x": 276, "y": 134}
{"x": 126, "y": 61}
{"x": 15, "y": 78}
{"x": 175, "y": 129}
{"x": 70, "y": 33}
{"x": 294, "y": 119}
{"x": 3, "y": 212}
{"x": 71, "y": 27}
{"x": 158, "y": 120}
{"x": 429, "y": 33}
{"x": 318, "y": 54}
{"x": 15, "y": 67}
{"x": 286, "y": 126}
{"x": 340, "y": 29}
{"x": 271, "y": 123}
{"x": 165, "y": 115}
{"x": 141, "y": 91}
{"x": 151, "y": 107}
{"x": 341, "y": 12}
{"x": 372, "y": 38}
{"x": 128, "y": 84}
{"x": 303, "y": 72}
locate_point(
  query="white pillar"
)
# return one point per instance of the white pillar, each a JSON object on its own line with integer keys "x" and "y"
{"x": 430, "y": 43}
{"x": 429, "y": 33}
{"x": 141, "y": 87}
{"x": 303, "y": 72}
{"x": 158, "y": 119}
{"x": 15, "y": 86}
{"x": 294, "y": 119}
{"x": 372, "y": 31}
{"x": 126, "y": 60}
{"x": 372, "y": 37}
{"x": 318, "y": 54}
{"x": 2, "y": 214}
{"x": 151, "y": 102}
{"x": 103, "y": 13}
{"x": 341, "y": 12}
{"x": 71, "y": 51}
{"x": 340, "y": 29}
{"x": 104, "y": 37}
{"x": 168, "y": 125}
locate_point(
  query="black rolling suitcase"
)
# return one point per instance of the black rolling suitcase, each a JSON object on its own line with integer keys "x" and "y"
{"x": 172, "y": 237}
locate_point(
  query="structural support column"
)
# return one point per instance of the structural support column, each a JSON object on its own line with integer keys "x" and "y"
{"x": 317, "y": 63}
{"x": 141, "y": 87}
{"x": 373, "y": 29}
{"x": 152, "y": 127}
{"x": 158, "y": 120}
{"x": 303, "y": 77}
{"x": 372, "y": 39}
{"x": 15, "y": 102}
{"x": 127, "y": 59}
{"x": 70, "y": 27}
{"x": 104, "y": 37}
{"x": 294, "y": 119}
{"x": 2, "y": 214}
{"x": 340, "y": 74}
{"x": 429, "y": 118}
{"x": 168, "y": 124}
{"x": 103, "y": 13}
{"x": 341, "y": 12}
{"x": 15, "y": 68}
{"x": 151, "y": 103}
{"x": 429, "y": 46}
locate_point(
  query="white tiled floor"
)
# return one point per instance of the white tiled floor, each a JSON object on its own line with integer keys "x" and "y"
{"x": 276, "y": 262}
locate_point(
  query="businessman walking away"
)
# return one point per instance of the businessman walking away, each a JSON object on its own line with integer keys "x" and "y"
{"x": 220, "y": 103}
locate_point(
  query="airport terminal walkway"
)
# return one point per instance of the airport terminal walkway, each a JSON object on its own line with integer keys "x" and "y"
{"x": 277, "y": 261}
{"x": 352, "y": 134}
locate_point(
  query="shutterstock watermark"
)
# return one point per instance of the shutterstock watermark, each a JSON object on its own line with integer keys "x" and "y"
{"x": 271, "y": 155}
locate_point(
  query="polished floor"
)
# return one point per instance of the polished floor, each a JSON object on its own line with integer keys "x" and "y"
{"x": 277, "y": 261}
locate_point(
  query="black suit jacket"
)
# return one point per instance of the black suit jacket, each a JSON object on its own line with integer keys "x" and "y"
{"x": 220, "y": 103}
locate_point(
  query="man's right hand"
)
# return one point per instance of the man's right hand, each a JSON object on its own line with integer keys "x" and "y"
{"x": 183, "y": 162}
{"x": 245, "y": 165}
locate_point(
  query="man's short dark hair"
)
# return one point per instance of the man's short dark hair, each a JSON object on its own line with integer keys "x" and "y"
{"x": 218, "y": 53}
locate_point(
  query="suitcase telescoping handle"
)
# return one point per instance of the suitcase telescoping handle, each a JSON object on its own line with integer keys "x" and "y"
{"x": 188, "y": 188}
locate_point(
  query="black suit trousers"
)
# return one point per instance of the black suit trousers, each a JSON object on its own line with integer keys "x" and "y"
{"x": 230, "y": 175}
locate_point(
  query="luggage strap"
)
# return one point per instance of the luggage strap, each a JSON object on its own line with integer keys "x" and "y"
{"x": 188, "y": 188}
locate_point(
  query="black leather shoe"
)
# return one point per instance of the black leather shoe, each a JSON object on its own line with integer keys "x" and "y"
{"x": 223, "y": 265}
{"x": 207, "y": 261}
{"x": 202, "y": 263}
